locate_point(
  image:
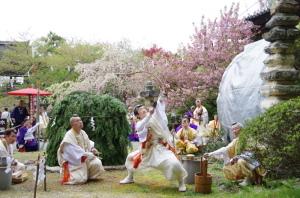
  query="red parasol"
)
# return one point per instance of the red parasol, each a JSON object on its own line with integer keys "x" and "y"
{"x": 32, "y": 93}
{"x": 29, "y": 92}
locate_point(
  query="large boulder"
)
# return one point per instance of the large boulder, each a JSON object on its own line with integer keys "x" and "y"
{"x": 239, "y": 93}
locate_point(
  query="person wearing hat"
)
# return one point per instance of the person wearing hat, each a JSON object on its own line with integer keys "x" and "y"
{"x": 155, "y": 149}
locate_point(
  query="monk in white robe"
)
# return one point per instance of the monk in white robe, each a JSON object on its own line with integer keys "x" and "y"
{"x": 236, "y": 167}
{"x": 6, "y": 150}
{"x": 76, "y": 156}
{"x": 156, "y": 150}
{"x": 200, "y": 114}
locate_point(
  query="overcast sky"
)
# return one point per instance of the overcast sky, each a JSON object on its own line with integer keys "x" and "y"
{"x": 167, "y": 23}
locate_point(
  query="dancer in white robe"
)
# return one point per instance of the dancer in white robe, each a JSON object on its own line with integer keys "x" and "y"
{"x": 76, "y": 156}
{"x": 155, "y": 151}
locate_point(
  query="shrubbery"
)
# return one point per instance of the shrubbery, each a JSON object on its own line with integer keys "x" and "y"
{"x": 275, "y": 138}
{"x": 111, "y": 126}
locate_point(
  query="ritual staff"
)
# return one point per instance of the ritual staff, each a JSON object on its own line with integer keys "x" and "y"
{"x": 77, "y": 156}
{"x": 238, "y": 167}
{"x": 188, "y": 138}
{"x": 6, "y": 150}
{"x": 155, "y": 150}
{"x": 214, "y": 127}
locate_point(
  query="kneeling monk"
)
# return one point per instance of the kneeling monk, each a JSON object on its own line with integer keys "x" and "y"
{"x": 237, "y": 167}
{"x": 155, "y": 151}
{"x": 76, "y": 156}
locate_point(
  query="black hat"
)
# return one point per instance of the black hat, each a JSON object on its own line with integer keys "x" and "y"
{"x": 136, "y": 109}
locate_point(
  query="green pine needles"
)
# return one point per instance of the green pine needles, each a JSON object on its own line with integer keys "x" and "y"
{"x": 111, "y": 129}
{"x": 274, "y": 136}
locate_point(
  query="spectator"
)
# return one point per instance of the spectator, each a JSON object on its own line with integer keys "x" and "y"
{"x": 6, "y": 116}
{"x": 19, "y": 113}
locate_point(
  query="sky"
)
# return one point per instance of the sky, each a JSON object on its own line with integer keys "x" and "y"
{"x": 167, "y": 23}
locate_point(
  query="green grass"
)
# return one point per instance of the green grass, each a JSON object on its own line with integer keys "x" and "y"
{"x": 149, "y": 184}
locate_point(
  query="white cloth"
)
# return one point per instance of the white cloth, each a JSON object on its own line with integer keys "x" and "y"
{"x": 72, "y": 149}
{"x": 5, "y": 115}
{"x": 7, "y": 151}
{"x": 204, "y": 115}
{"x": 157, "y": 156}
{"x": 29, "y": 134}
{"x": 223, "y": 153}
{"x": 239, "y": 95}
{"x": 41, "y": 175}
{"x": 43, "y": 120}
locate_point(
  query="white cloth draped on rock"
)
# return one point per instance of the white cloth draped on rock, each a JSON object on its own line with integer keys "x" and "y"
{"x": 157, "y": 156}
{"x": 72, "y": 150}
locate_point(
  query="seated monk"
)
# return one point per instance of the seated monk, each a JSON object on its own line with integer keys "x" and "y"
{"x": 76, "y": 156}
{"x": 6, "y": 150}
{"x": 214, "y": 127}
{"x": 238, "y": 167}
{"x": 187, "y": 138}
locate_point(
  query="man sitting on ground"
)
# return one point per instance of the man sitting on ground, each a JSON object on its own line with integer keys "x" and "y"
{"x": 77, "y": 156}
{"x": 188, "y": 139}
{"x": 6, "y": 150}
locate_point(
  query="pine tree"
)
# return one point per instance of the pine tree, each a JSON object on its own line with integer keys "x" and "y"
{"x": 109, "y": 133}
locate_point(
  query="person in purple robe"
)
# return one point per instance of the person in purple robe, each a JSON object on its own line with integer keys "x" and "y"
{"x": 26, "y": 140}
{"x": 133, "y": 136}
{"x": 190, "y": 112}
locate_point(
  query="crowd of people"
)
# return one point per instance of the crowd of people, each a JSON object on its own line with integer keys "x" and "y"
{"x": 26, "y": 126}
{"x": 192, "y": 133}
{"x": 159, "y": 147}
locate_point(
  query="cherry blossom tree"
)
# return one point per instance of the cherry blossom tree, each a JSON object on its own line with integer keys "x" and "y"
{"x": 197, "y": 69}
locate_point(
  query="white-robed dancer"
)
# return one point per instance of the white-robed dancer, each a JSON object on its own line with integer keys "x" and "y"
{"x": 155, "y": 150}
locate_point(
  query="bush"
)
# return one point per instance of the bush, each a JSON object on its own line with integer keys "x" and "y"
{"x": 274, "y": 136}
{"x": 111, "y": 126}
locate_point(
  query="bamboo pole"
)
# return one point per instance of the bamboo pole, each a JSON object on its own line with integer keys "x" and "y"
{"x": 38, "y": 112}
{"x": 36, "y": 176}
{"x": 45, "y": 178}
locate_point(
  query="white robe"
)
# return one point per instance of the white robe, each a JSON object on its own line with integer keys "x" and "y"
{"x": 157, "y": 156}
{"x": 71, "y": 151}
{"x": 7, "y": 151}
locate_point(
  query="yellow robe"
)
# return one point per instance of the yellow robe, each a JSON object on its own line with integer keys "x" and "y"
{"x": 189, "y": 135}
{"x": 214, "y": 128}
{"x": 240, "y": 169}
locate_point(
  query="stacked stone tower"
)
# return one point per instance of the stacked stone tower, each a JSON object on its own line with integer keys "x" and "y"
{"x": 281, "y": 78}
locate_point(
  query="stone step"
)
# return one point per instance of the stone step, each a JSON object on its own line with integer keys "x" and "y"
{"x": 283, "y": 91}
{"x": 281, "y": 33}
{"x": 289, "y": 75}
{"x": 285, "y": 20}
